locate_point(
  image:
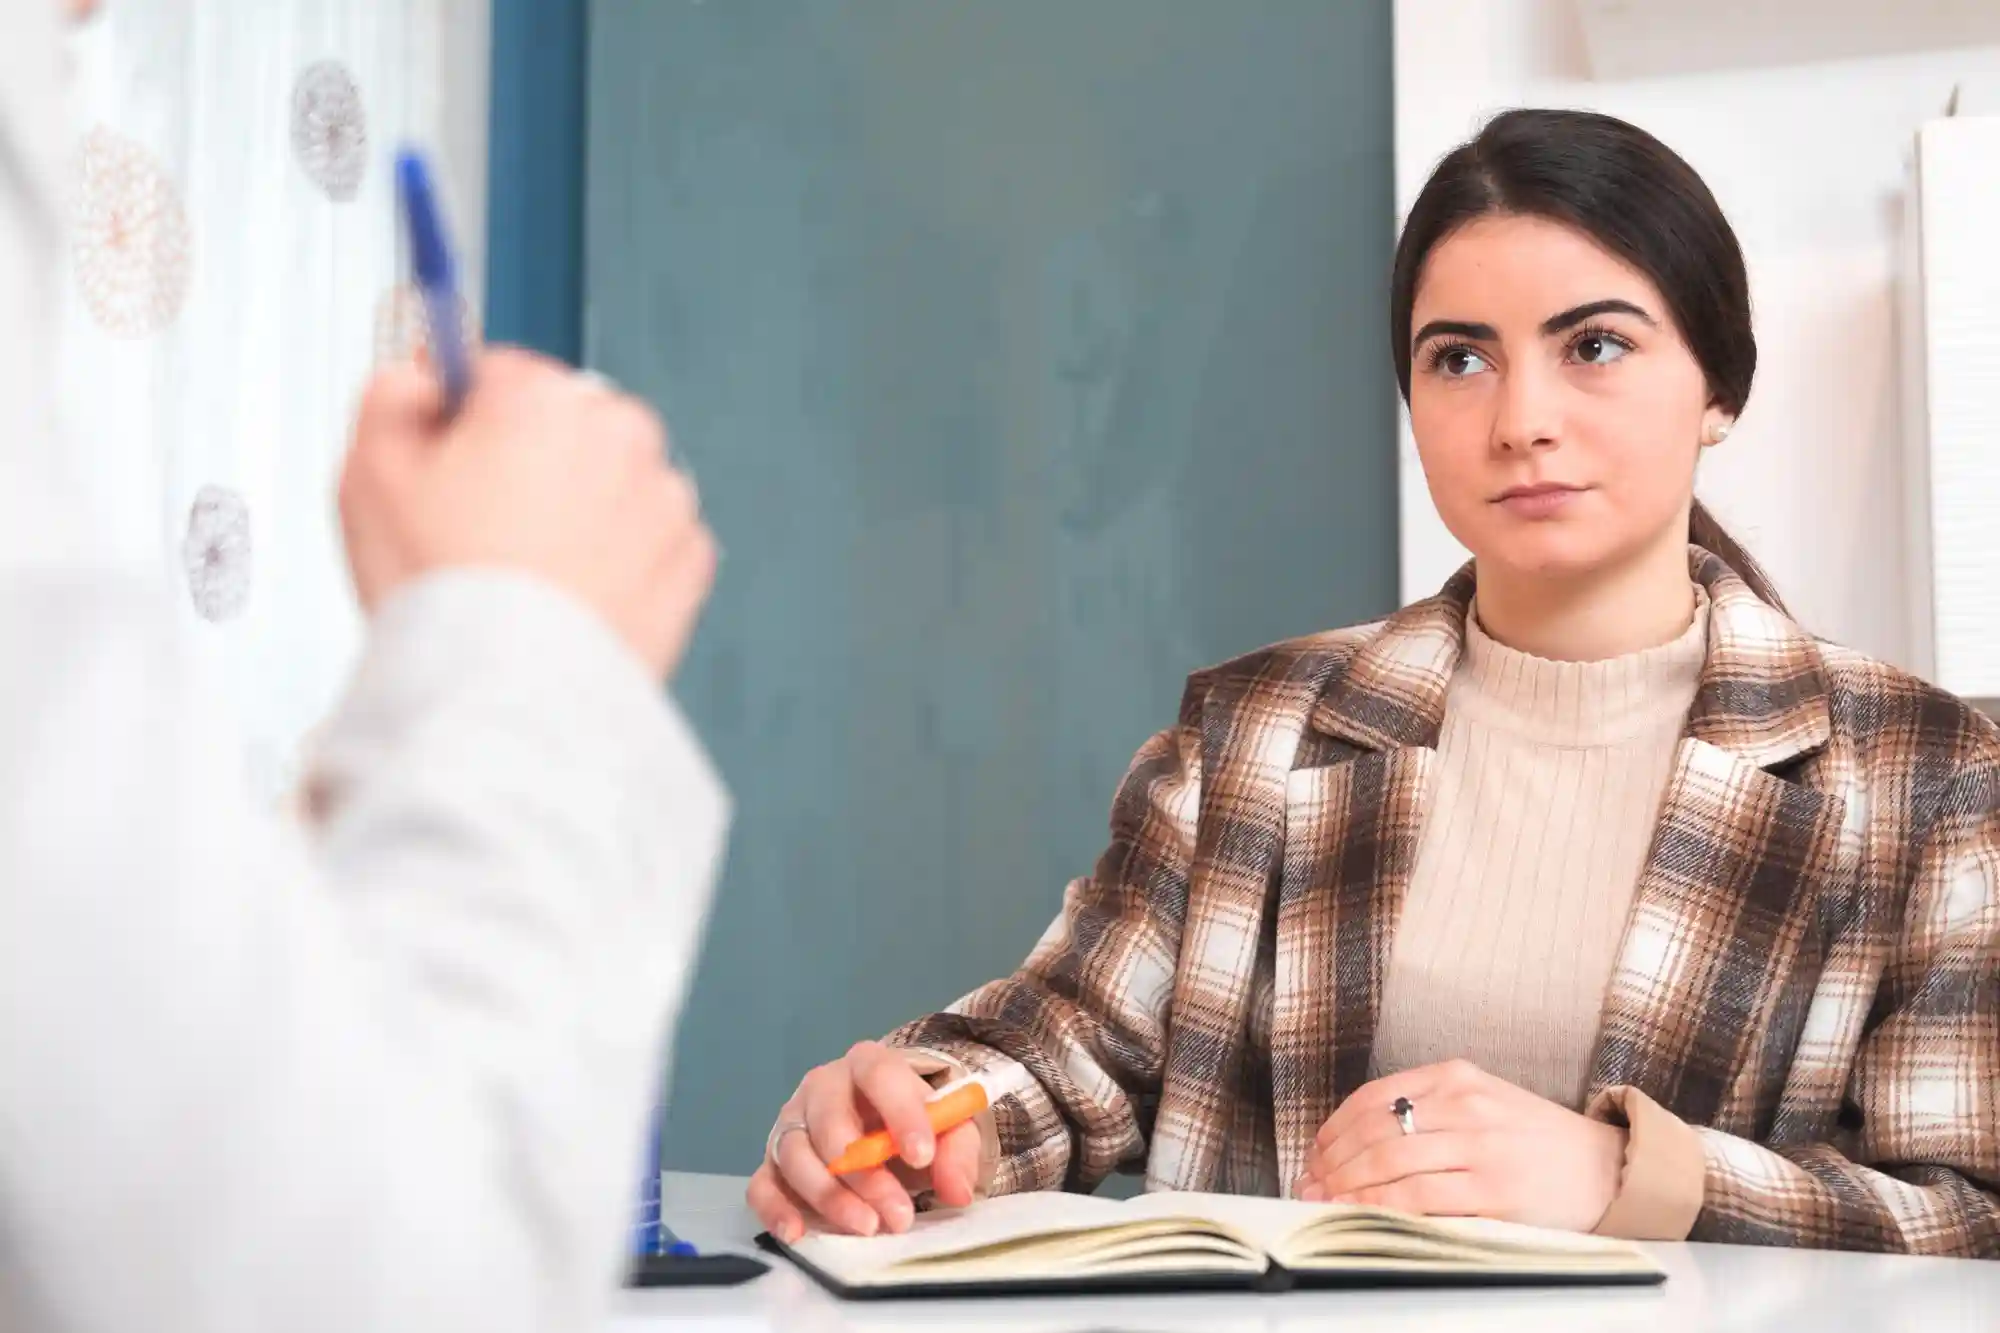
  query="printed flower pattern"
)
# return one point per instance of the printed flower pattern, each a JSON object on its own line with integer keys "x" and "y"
{"x": 330, "y": 129}
{"x": 133, "y": 246}
{"x": 403, "y": 326}
{"x": 216, "y": 554}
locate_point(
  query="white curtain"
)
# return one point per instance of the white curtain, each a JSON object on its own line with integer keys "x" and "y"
{"x": 234, "y": 276}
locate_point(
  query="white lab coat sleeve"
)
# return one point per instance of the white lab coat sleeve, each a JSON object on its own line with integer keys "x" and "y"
{"x": 390, "y": 1070}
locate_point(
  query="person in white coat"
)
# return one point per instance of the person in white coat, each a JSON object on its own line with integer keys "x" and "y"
{"x": 389, "y": 1068}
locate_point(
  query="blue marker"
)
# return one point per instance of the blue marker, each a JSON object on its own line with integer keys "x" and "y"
{"x": 437, "y": 282}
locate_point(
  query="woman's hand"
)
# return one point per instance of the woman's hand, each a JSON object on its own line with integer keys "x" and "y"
{"x": 873, "y": 1087}
{"x": 1482, "y": 1148}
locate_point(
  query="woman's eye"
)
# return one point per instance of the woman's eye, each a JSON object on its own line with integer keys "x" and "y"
{"x": 1459, "y": 362}
{"x": 1598, "y": 349}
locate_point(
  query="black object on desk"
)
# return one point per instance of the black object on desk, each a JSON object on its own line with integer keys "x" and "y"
{"x": 694, "y": 1270}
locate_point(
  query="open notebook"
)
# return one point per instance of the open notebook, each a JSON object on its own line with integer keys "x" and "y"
{"x": 1041, "y": 1243}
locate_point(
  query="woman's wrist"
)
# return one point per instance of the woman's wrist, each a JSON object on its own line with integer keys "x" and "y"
{"x": 1662, "y": 1177}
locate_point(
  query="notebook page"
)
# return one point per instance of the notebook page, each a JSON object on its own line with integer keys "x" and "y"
{"x": 1275, "y": 1225}
{"x": 949, "y": 1230}
{"x": 1264, "y": 1222}
{"x": 1487, "y": 1232}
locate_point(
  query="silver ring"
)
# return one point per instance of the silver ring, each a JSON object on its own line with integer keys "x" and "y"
{"x": 1405, "y": 1112}
{"x": 778, "y": 1132}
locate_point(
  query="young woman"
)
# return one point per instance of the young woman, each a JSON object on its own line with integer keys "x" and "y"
{"x": 1592, "y": 892}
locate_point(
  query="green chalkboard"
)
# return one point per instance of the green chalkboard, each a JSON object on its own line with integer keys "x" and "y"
{"x": 1030, "y": 354}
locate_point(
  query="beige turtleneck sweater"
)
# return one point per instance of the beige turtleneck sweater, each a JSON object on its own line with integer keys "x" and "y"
{"x": 1548, "y": 783}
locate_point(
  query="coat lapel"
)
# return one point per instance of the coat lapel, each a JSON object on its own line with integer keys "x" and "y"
{"x": 1351, "y": 830}
{"x": 1350, "y": 846}
{"x": 1251, "y": 723}
{"x": 1741, "y": 853}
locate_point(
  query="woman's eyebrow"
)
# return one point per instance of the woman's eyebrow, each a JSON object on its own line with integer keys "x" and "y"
{"x": 1478, "y": 332}
{"x": 1577, "y": 314}
{"x": 1460, "y": 328}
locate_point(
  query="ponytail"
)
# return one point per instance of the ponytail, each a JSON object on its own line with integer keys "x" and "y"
{"x": 1705, "y": 532}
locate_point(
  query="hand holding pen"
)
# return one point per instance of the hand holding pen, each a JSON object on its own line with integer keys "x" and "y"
{"x": 861, "y": 1138}
{"x": 515, "y": 462}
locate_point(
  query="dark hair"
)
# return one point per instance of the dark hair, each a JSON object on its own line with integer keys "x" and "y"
{"x": 1632, "y": 195}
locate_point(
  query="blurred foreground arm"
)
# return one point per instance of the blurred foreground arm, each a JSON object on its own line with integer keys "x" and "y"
{"x": 391, "y": 1071}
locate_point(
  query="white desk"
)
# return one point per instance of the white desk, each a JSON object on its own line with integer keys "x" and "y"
{"x": 1712, "y": 1288}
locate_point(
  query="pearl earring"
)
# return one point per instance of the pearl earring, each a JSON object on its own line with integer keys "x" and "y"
{"x": 1719, "y": 432}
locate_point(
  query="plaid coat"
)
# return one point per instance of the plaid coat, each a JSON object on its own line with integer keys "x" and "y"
{"x": 1810, "y": 974}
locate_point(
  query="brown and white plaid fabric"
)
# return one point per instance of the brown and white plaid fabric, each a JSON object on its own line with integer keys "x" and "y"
{"x": 1810, "y": 974}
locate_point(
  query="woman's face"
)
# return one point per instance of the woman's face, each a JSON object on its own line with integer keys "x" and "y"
{"x": 1557, "y": 412}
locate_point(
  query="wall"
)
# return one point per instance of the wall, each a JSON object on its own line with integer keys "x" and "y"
{"x": 1028, "y": 356}
{"x": 534, "y": 236}
{"x": 1808, "y": 162}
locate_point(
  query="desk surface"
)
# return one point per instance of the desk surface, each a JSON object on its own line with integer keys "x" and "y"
{"x": 1711, "y": 1289}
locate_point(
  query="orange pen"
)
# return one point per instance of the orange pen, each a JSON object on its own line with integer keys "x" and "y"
{"x": 946, "y": 1111}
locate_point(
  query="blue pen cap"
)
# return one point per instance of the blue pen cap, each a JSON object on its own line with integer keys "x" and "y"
{"x": 430, "y": 254}
{"x": 432, "y": 268}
